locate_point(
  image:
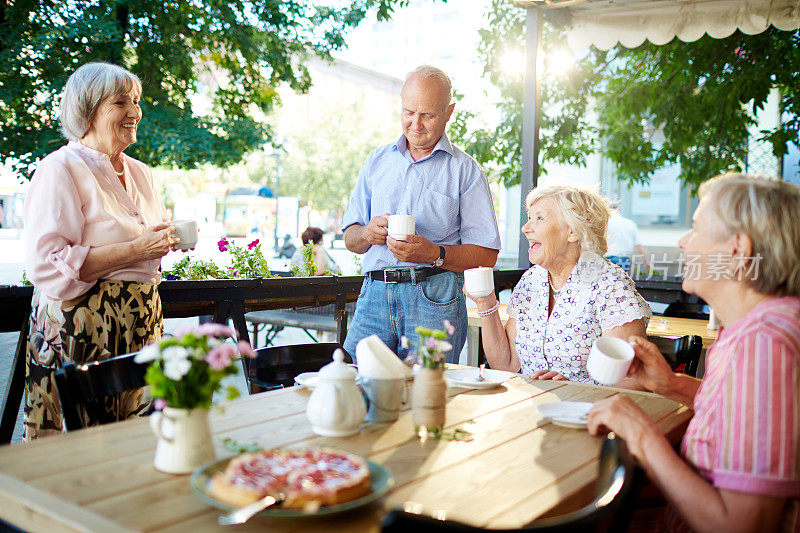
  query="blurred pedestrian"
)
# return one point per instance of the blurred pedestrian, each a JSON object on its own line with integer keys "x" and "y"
{"x": 624, "y": 241}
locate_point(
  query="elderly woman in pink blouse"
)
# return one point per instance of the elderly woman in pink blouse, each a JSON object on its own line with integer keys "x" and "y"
{"x": 97, "y": 231}
{"x": 739, "y": 463}
{"x": 568, "y": 298}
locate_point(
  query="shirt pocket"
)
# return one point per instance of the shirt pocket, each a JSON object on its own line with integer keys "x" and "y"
{"x": 440, "y": 216}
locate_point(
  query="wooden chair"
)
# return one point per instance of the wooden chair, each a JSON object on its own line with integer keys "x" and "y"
{"x": 682, "y": 353}
{"x": 276, "y": 366}
{"x": 89, "y": 384}
{"x": 610, "y": 510}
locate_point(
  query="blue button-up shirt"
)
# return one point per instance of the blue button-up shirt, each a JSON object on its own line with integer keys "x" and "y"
{"x": 446, "y": 191}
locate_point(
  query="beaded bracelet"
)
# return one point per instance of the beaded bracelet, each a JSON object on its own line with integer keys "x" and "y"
{"x": 489, "y": 311}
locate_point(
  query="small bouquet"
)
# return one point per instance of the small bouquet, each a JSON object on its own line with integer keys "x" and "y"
{"x": 186, "y": 370}
{"x": 432, "y": 345}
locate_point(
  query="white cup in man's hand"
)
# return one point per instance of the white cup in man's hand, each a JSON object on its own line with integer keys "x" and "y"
{"x": 609, "y": 360}
{"x": 479, "y": 281}
{"x": 186, "y": 231}
{"x": 401, "y": 226}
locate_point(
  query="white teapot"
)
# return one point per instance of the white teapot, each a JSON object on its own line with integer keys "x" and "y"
{"x": 336, "y": 407}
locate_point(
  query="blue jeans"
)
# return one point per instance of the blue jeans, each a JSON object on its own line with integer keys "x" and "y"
{"x": 391, "y": 310}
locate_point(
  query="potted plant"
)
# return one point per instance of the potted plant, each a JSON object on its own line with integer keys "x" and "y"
{"x": 429, "y": 395}
{"x": 184, "y": 373}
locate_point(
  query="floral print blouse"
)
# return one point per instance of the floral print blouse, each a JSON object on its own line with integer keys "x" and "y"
{"x": 598, "y": 296}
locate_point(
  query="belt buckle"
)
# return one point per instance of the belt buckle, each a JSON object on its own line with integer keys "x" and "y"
{"x": 389, "y": 270}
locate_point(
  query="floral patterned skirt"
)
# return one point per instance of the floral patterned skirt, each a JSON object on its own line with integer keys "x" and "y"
{"x": 113, "y": 318}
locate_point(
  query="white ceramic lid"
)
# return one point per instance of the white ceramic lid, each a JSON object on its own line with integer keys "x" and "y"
{"x": 338, "y": 370}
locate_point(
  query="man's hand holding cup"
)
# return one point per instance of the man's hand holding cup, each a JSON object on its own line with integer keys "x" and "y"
{"x": 377, "y": 229}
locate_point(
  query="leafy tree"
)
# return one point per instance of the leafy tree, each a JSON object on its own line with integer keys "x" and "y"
{"x": 325, "y": 157}
{"x": 233, "y": 51}
{"x": 702, "y": 96}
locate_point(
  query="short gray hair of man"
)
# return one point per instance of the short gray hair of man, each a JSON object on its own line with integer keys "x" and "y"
{"x": 766, "y": 211}
{"x": 427, "y": 71}
{"x": 86, "y": 88}
{"x": 583, "y": 211}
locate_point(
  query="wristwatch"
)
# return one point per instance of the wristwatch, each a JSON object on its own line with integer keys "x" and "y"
{"x": 439, "y": 260}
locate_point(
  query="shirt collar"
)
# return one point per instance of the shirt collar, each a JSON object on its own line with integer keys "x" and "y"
{"x": 90, "y": 152}
{"x": 444, "y": 145}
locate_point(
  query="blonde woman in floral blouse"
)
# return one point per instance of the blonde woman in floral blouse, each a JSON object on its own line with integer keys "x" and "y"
{"x": 568, "y": 298}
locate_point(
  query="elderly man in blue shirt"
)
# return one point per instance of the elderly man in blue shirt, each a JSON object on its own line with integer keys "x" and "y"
{"x": 418, "y": 282}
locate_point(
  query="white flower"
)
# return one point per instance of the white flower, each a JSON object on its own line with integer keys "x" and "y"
{"x": 443, "y": 346}
{"x": 404, "y": 341}
{"x": 176, "y": 368}
{"x": 179, "y": 353}
{"x": 149, "y": 353}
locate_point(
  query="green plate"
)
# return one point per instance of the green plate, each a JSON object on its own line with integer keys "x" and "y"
{"x": 380, "y": 477}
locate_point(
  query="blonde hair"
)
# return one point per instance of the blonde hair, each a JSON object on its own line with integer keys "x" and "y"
{"x": 766, "y": 211}
{"x": 86, "y": 88}
{"x": 583, "y": 211}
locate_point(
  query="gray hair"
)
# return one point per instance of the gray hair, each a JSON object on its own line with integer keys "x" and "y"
{"x": 765, "y": 210}
{"x": 583, "y": 211}
{"x": 86, "y": 88}
{"x": 427, "y": 71}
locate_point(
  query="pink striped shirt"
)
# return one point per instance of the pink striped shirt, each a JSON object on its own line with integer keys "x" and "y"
{"x": 745, "y": 434}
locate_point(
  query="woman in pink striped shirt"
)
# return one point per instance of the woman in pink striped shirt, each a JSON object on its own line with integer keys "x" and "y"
{"x": 96, "y": 233}
{"x": 739, "y": 465}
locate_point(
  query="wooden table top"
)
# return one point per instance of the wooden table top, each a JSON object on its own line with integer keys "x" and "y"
{"x": 516, "y": 467}
{"x": 659, "y": 326}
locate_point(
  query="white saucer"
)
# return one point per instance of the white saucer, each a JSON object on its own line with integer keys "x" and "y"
{"x": 567, "y": 414}
{"x": 467, "y": 378}
{"x": 308, "y": 380}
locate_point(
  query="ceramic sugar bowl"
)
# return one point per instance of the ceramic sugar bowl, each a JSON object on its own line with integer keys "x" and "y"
{"x": 336, "y": 407}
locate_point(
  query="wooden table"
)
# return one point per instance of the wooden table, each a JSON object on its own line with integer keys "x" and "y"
{"x": 516, "y": 468}
{"x": 659, "y": 326}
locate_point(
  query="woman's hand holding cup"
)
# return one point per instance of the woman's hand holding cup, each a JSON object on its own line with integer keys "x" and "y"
{"x": 155, "y": 242}
{"x": 649, "y": 366}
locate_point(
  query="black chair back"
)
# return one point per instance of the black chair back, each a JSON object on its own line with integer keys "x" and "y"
{"x": 276, "y": 366}
{"x": 610, "y": 510}
{"x": 681, "y": 351}
{"x": 89, "y": 384}
{"x": 686, "y": 310}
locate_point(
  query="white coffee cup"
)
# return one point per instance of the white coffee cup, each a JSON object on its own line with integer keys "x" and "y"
{"x": 401, "y": 226}
{"x": 186, "y": 231}
{"x": 609, "y": 360}
{"x": 479, "y": 281}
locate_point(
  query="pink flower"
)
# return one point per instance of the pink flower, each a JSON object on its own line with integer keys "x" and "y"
{"x": 437, "y": 356}
{"x": 451, "y": 330}
{"x": 215, "y": 330}
{"x": 252, "y": 244}
{"x": 430, "y": 342}
{"x": 220, "y": 356}
{"x": 159, "y": 404}
{"x": 245, "y": 349}
{"x": 222, "y": 244}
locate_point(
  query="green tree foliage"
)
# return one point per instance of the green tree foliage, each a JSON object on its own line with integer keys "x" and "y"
{"x": 232, "y": 51}
{"x": 702, "y": 96}
{"x": 326, "y": 156}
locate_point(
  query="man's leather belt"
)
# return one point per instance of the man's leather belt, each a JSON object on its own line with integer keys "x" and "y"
{"x": 403, "y": 275}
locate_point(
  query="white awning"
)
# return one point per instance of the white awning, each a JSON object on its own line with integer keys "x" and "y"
{"x": 604, "y": 23}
